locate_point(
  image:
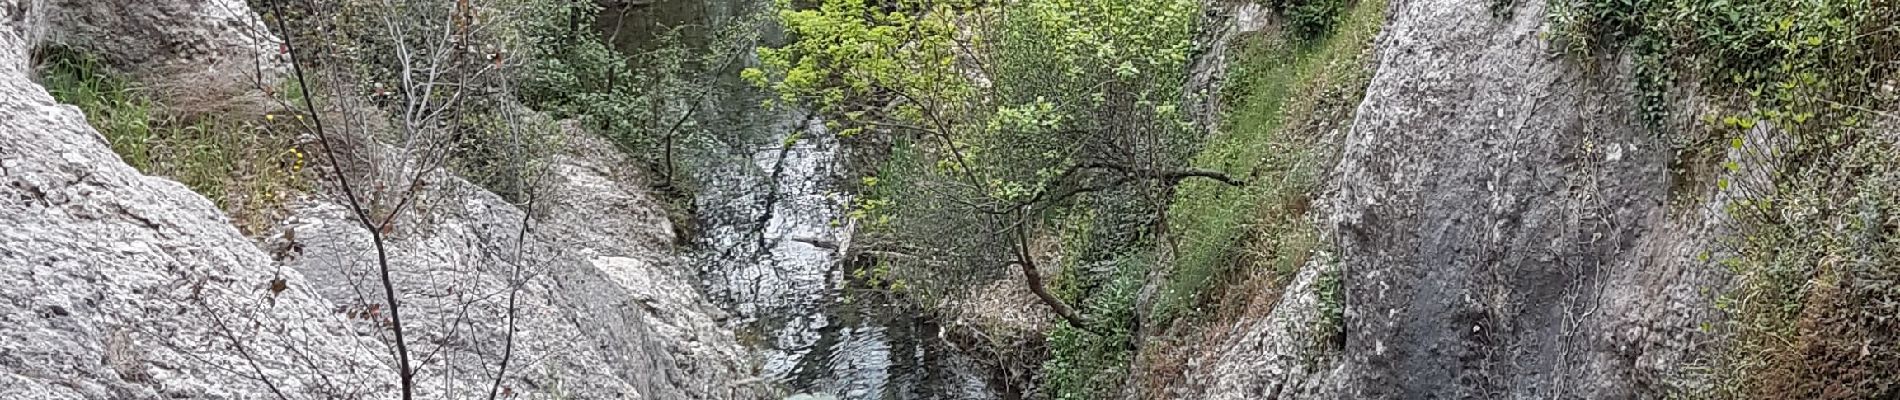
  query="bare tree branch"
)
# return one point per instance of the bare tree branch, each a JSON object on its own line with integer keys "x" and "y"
{"x": 238, "y": 345}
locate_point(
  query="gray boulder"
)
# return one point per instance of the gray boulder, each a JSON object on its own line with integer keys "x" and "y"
{"x": 603, "y": 309}
{"x": 199, "y": 56}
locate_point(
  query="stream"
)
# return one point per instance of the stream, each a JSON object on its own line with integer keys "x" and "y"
{"x": 771, "y": 222}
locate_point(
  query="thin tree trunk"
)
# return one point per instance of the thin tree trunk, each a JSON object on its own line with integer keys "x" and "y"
{"x": 1033, "y": 278}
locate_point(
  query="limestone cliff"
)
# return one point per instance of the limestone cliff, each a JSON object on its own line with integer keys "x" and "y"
{"x": 1499, "y": 217}
{"x": 1502, "y": 218}
{"x": 118, "y": 285}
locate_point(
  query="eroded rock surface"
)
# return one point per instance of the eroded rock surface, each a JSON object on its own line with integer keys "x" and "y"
{"x": 602, "y": 310}
{"x": 1498, "y": 204}
{"x": 1278, "y": 356}
{"x": 116, "y": 285}
{"x": 1502, "y": 230}
{"x": 199, "y": 56}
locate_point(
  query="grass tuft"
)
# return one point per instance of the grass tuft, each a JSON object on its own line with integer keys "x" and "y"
{"x": 232, "y": 160}
{"x": 1236, "y": 249}
{"x": 1224, "y": 235}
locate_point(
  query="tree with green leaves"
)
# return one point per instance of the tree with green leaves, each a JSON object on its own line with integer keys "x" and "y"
{"x": 999, "y": 117}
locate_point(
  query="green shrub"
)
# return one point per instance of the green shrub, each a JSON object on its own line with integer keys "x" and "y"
{"x": 644, "y": 101}
{"x": 1309, "y": 19}
{"x": 506, "y": 150}
{"x": 550, "y": 55}
{"x": 573, "y": 72}
{"x": 1331, "y": 324}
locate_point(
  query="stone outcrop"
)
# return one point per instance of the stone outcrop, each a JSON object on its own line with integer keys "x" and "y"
{"x": 1278, "y": 356}
{"x": 602, "y": 309}
{"x": 118, "y": 285}
{"x": 1502, "y": 231}
{"x": 1502, "y": 219}
{"x": 199, "y": 56}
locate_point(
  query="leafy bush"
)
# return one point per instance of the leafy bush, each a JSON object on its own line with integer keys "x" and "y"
{"x": 506, "y": 149}
{"x": 1309, "y": 19}
{"x": 1331, "y": 325}
{"x": 573, "y": 72}
{"x": 991, "y": 109}
{"x": 549, "y": 55}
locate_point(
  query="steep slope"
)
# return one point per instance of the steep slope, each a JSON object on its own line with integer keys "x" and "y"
{"x": 1490, "y": 193}
{"x": 603, "y": 306}
{"x": 1501, "y": 227}
{"x": 120, "y": 285}
{"x": 1504, "y": 220}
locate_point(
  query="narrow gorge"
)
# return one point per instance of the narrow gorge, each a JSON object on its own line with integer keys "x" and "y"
{"x": 949, "y": 199}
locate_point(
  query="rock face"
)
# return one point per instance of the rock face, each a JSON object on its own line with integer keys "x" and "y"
{"x": 1278, "y": 356}
{"x": 1209, "y": 67}
{"x": 200, "y": 56}
{"x": 118, "y": 285}
{"x": 602, "y": 309}
{"x": 1502, "y": 230}
{"x": 1502, "y": 222}
{"x": 115, "y": 285}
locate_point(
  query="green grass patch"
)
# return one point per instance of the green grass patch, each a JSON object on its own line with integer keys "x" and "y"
{"x": 1223, "y": 234}
{"x": 233, "y": 160}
